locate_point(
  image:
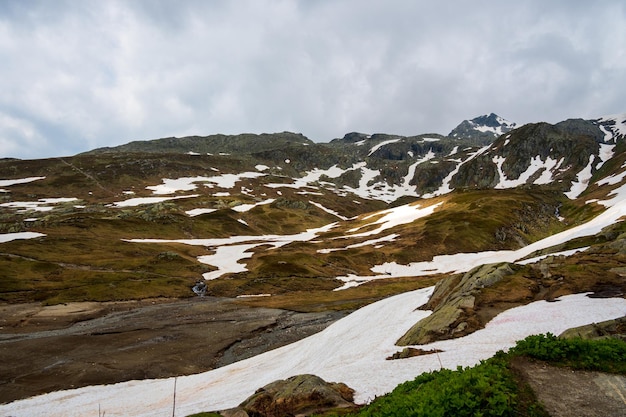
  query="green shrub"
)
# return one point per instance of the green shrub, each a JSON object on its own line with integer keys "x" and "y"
{"x": 490, "y": 388}
{"x": 607, "y": 355}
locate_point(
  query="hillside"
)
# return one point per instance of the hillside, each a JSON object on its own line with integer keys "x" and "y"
{"x": 278, "y": 221}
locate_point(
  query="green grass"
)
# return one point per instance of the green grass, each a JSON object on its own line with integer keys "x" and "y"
{"x": 492, "y": 388}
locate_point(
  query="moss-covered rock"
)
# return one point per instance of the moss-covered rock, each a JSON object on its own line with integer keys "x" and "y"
{"x": 298, "y": 395}
{"x": 603, "y": 330}
{"x": 451, "y": 302}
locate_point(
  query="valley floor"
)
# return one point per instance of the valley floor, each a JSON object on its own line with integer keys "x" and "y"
{"x": 45, "y": 349}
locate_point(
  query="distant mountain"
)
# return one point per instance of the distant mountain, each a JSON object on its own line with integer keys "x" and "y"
{"x": 213, "y": 144}
{"x": 482, "y": 128}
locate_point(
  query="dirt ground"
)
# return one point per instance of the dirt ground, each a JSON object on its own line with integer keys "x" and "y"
{"x": 44, "y": 349}
{"x": 565, "y": 392}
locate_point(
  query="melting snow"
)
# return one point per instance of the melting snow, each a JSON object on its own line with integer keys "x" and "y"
{"x": 351, "y": 350}
{"x": 562, "y": 253}
{"x": 7, "y": 237}
{"x": 606, "y": 153}
{"x": 229, "y": 251}
{"x": 463, "y": 262}
{"x": 619, "y": 128}
{"x": 199, "y": 211}
{"x": 41, "y": 205}
{"x": 7, "y": 183}
{"x": 247, "y": 207}
{"x": 133, "y": 202}
{"x": 445, "y": 185}
{"x": 381, "y": 144}
{"x": 327, "y": 210}
{"x": 394, "y": 217}
{"x": 388, "y": 238}
{"x": 170, "y": 186}
{"x": 582, "y": 180}
{"x": 536, "y": 164}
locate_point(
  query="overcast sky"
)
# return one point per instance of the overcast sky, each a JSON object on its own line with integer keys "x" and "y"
{"x": 76, "y": 75}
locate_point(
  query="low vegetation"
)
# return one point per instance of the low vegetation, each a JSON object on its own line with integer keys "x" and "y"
{"x": 492, "y": 388}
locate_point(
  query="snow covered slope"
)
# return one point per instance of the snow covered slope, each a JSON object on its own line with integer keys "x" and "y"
{"x": 352, "y": 351}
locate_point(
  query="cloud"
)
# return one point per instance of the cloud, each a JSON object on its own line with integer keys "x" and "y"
{"x": 89, "y": 74}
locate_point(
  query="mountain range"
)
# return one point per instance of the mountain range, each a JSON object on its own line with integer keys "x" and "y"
{"x": 496, "y": 215}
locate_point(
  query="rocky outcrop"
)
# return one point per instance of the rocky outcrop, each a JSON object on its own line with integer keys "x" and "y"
{"x": 299, "y": 395}
{"x": 452, "y": 303}
{"x": 603, "y": 330}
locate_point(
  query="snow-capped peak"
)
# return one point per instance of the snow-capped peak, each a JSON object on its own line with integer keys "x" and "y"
{"x": 490, "y": 124}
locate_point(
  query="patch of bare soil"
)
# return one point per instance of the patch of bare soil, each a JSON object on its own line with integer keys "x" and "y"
{"x": 44, "y": 349}
{"x": 565, "y": 392}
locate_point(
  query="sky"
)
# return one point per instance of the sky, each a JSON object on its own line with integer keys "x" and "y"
{"x": 77, "y": 75}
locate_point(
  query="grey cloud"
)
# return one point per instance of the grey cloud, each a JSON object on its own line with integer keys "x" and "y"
{"x": 77, "y": 75}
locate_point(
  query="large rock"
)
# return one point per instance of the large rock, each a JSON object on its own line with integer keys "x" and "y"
{"x": 451, "y": 302}
{"x": 607, "y": 329}
{"x": 299, "y": 395}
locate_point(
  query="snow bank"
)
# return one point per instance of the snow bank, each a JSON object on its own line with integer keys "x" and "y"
{"x": 352, "y": 350}
{"x": 7, "y": 237}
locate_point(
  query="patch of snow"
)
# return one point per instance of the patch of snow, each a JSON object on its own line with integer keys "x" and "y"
{"x": 327, "y": 210}
{"x": 445, "y": 185}
{"x": 171, "y": 186}
{"x": 8, "y": 237}
{"x": 393, "y": 217}
{"x": 261, "y": 167}
{"x": 247, "y": 207}
{"x": 253, "y": 295}
{"x": 134, "y": 202}
{"x": 535, "y": 165}
{"x": 309, "y": 193}
{"x": 606, "y": 152}
{"x": 454, "y": 151}
{"x": 199, "y": 211}
{"x": 619, "y": 126}
{"x": 242, "y": 221}
{"x": 431, "y": 139}
{"x": 561, "y": 253}
{"x": 7, "y": 183}
{"x": 226, "y": 259}
{"x": 582, "y": 180}
{"x": 42, "y": 205}
{"x": 612, "y": 179}
{"x": 221, "y": 194}
{"x": 388, "y": 238}
{"x": 360, "y": 343}
{"x": 381, "y": 144}
{"x": 128, "y": 192}
{"x": 192, "y": 153}
{"x": 229, "y": 251}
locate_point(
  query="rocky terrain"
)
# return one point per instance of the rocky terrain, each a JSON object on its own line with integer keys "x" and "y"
{"x": 77, "y": 344}
{"x": 100, "y": 251}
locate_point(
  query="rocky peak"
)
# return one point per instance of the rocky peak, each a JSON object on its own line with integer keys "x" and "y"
{"x": 486, "y": 127}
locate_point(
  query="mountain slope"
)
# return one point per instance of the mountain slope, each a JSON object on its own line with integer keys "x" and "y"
{"x": 288, "y": 223}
